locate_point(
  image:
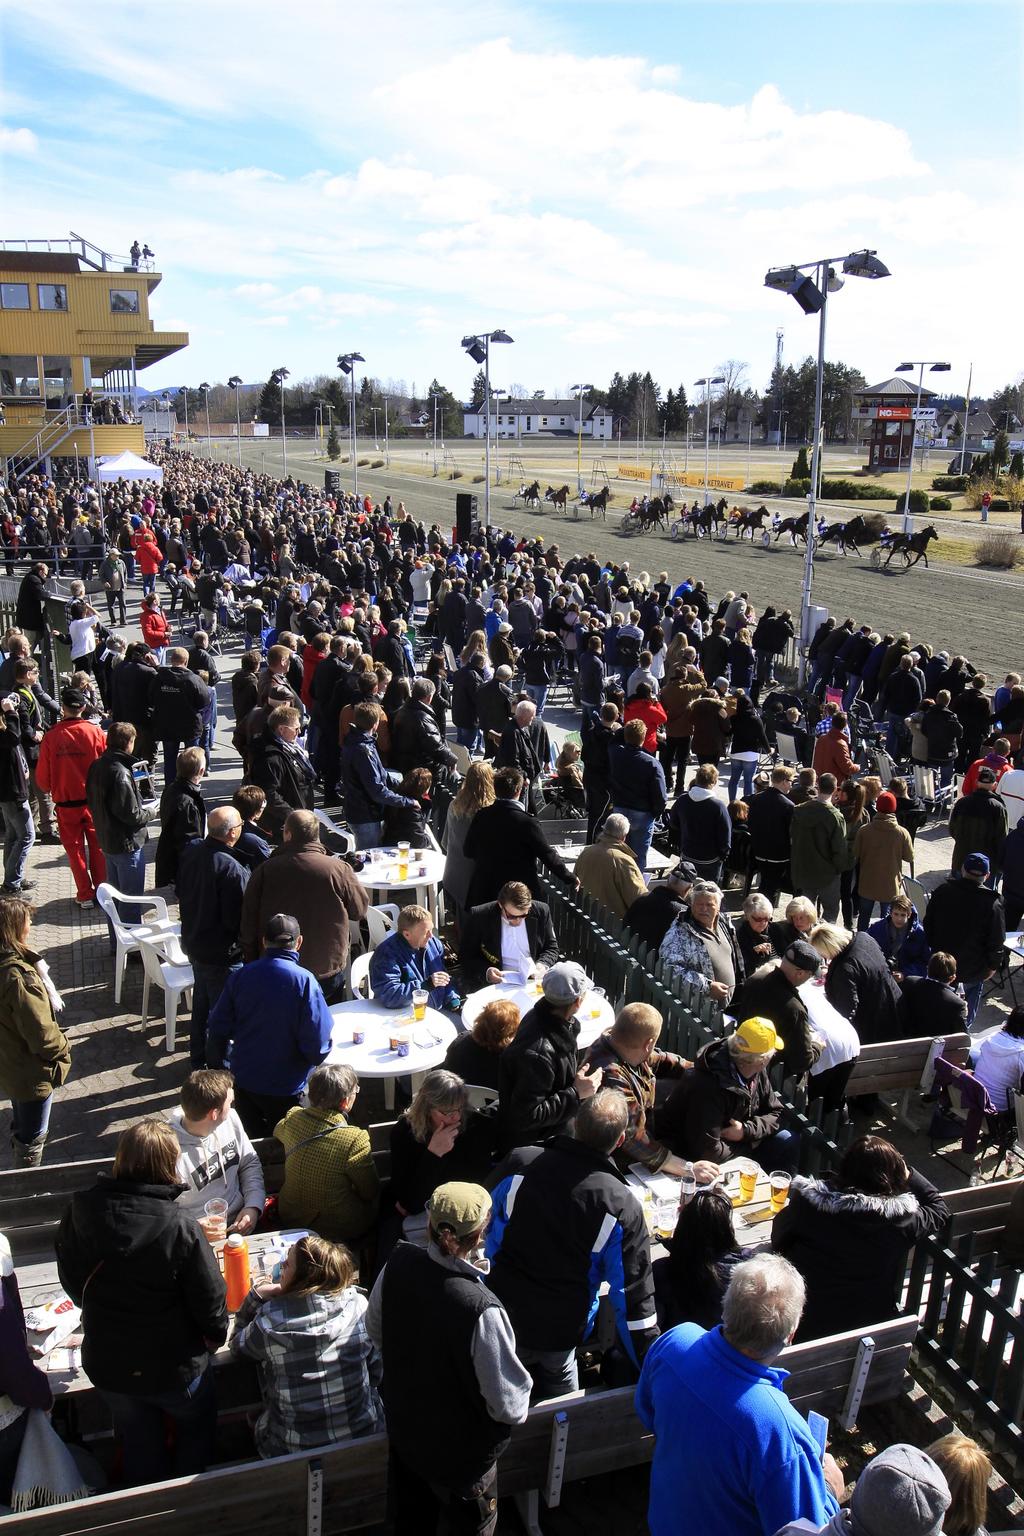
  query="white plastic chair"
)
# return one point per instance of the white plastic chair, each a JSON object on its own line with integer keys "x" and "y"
{"x": 380, "y": 921}
{"x": 165, "y": 966}
{"x": 129, "y": 936}
{"x": 462, "y": 757}
{"x": 359, "y": 975}
{"x": 917, "y": 893}
{"x": 478, "y": 1097}
{"x": 785, "y": 744}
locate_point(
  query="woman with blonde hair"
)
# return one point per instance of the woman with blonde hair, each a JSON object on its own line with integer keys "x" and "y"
{"x": 35, "y": 1056}
{"x": 859, "y": 983}
{"x": 437, "y": 1139}
{"x": 319, "y": 1372}
{"x": 967, "y": 1469}
{"x": 476, "y": 791}
{"x": 153, "y": 1304}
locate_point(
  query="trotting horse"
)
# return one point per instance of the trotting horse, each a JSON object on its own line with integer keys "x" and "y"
{"x": 912, "y": 546}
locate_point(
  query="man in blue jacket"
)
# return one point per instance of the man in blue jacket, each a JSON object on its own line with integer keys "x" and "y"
{"x": 637, "y": 787}
{"x": 733, "y": 1457}
{"x": 365, "y": 779}
{"x": 271, "y": 1026}
{"x": 411, "y": 959}
{"x": 211, "y": 883}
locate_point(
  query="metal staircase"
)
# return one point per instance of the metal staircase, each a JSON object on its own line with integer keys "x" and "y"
{"x": 43, "y": 442}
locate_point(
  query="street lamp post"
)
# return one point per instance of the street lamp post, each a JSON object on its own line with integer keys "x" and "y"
{"x": 708, "y": 382}
{"x": 908, "y": 521}
{"x": 184, "y": 396}
{"x": 347, "y": 363}
{"x": 205, "y": 391}
{"x": 278, "y": 377}
{"x": 579, "y": 390}
{"x": 811, "y": 293}
{"x": 479, "y": 349}
{"x": 234, "y": 384}
{"x": 435, "y": 399}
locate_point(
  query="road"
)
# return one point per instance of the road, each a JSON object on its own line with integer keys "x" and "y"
{"x": 956, "y": 609}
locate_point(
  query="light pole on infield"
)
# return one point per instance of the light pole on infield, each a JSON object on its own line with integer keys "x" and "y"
{"x": 479, "y": 349}
{"x": 278, "y": 377}
{"x": 204, "y": 390}
{"x": 579, "y": 390}
{"x": 235, "y": 384}
{"x": 347, "y": 363}
{"x": 908, "y": 520}
{"x": 708, "y": 382}
{"x": 811, "y": 293}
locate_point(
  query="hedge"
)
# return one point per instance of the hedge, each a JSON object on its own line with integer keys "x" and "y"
{"x": 940, "y": 504}
{"x": 854, "y": 490}
{"x": 765, "y": 488}
{"x": 949, "y": 483}
{"x": 918, "y": 502}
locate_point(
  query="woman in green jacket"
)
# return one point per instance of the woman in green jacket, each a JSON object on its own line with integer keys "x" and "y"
{"x": 35, "y": 1056}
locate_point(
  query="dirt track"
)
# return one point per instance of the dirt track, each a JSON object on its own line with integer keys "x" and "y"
{"x": 954, "y": 608}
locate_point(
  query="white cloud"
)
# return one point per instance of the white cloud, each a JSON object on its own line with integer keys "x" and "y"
{"x": 17, "y": 141}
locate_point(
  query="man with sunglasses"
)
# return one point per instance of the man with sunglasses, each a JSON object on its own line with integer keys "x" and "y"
{"x": 510, "y": 939}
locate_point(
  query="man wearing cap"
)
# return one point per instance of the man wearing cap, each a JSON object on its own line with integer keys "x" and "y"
{"x": 880, "y": 849}
{"x": 725, "y": 1106}
{"x": 966, "y": 919}
{"x": 453, "y": 1382}
{"x": 564, "y": 1224}
{"x": 67, "y": 752}
{"x": 771, "y": 993}
{"x": 651, "y": 915}
{"x": 901, "y": 1492}
{"x": 271, "y": 1026}
{"x": 979, "y": 824}
{"x": 539, "y": 1086}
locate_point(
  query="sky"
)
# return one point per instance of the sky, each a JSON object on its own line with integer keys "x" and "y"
{"x": 608, "y": 182}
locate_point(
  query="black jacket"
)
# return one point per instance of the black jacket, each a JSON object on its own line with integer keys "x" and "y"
{"x": 466, "y": 684}
{"x": 851, "y": 1249}
{"x": 493, "y": 705}
{"x": 211, "y": 883}
{"x": 13, "y": 761}
{"x": 930, "y": 1007}
{"x": 571, "y": 1224}
{"x": 708, "y": 1097}
{"x": 505, "y": 843}
{"x": 179, "y": 698}
{"x": 416, "y": 1171}
{"x": 416, "y": 741}
{"x": 284, "y": 780}
{"x": 148, "y": 1284}
{"x": 767, "y": 994}
{"x": 115, "y": 804}
{"x": 480, "y": 942}
{"x": 182, "y": 817}
{"x": 651, "y": 916}
{"x": 31, "y": 608}
{"x": 132, "y": 687}
{"x": 535, "y": 1079}
{"x": 967, "y": 921}
{"x": 859, "y": 985}
{"x": 768, "y": 818}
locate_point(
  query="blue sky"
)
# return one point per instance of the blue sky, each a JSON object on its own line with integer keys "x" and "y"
{"x": 608, "y": 181}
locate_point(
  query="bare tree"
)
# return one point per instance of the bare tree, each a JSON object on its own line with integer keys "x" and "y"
{"x": 735, "y": 375}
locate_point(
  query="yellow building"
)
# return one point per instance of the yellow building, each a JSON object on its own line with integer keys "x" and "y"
{"x": 73, "y": 319}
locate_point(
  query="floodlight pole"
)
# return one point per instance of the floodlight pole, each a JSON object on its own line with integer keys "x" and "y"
{"x": 821, "y": 275}
{"x": 967, "y": 412}
{"x": 487, "y": 432}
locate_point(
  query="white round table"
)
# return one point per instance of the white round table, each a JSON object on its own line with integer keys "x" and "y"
{"x": 426, "y": 871}
{"x": 658, "y": 863}
{"x": 595, "y": 1015}
{"x": 431, "y": 1037}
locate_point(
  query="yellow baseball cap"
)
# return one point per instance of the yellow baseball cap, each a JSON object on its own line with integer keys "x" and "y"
{"x": 758, "y": 1036}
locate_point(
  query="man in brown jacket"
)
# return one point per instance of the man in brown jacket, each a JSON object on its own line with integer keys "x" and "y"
{"x": 881, "y": 849}
{"x": 608, "y": 870}
{"x": 677, "y": 698}
{"x": 320, "y": 891}
{"x": 711, "y": 726}
{"x": 832, "y": 751}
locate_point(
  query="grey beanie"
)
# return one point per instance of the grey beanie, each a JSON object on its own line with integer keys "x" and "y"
{"x": 901, "y": 1493}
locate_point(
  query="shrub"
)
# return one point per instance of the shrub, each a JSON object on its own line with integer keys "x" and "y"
{"x": 940, "y": 504}
{"x": 854, "y": 490}
{"x": 918, "y": 502}
{"x": 801, "y": 468}
{"x": 765, "y": 488}
{"x": 1002, "y": 550}
{"x": 797, "y": 487}
{"x": 478, "y": 479}
{"x": 362, "y": 463}
{"x": 377, "y": 464}
{"x": 976, "y": 488}
{"x": 1017, "y": 466}
{"x": 333, "y": 446}
{"x": 1000, "y": 504}
{"x": 981, "y": 466}
{"x": 949, "y": 483}
{"x": 456, "y": 474}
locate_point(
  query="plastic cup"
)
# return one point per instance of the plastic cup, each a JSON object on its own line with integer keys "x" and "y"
{"x": 403, "y": 861}
{"x": 748, "y": 1183}
{"x": 358, "y": 1034}
{"x": 780, "y": 1183}
{"x": 215, "y": 1224}
{"x": 419, "y": 1005}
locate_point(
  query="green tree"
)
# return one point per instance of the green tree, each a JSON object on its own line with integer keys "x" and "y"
{"x": 449, "y": 411}
{"x": 1000, "y": 450}
{"x": 1017, "y": 466}
{"x": 269, "y": 409}
{"x": 479, "y": 391}
{"x": 839, "y": 383}
{"x": 801, "y": 469}
{"x": 333, "y": 446}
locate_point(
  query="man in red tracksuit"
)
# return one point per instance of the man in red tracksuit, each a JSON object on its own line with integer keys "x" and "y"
{"x": 66, "y": 753}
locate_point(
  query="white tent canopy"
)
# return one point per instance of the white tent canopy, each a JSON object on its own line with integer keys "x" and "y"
{"x": 128, "y": 466}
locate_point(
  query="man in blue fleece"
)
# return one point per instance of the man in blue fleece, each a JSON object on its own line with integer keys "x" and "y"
{"x": 271, "y": 1026}
{"x": 733, "y": 1456}
{"x": 409, "y": 960}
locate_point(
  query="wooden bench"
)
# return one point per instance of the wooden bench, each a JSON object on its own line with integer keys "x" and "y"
{"x": 901, "y": 1066}
{"x": 980, "y": 1212}
{"x": 33, "y": 1200}
{"x": 343, "y": 1488}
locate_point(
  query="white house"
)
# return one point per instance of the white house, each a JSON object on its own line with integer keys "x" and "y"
{"x": 539, "y": 418}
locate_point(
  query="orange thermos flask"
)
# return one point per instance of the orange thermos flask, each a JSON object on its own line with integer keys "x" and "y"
{"x": 236, "y": 1270}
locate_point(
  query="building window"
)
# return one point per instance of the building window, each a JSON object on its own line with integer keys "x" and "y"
{"x": 124, "y": 301}
{"x": 529, "y": 423}
{"x": 52, "y": 296}
{"x": 543, "y": 421}
{"x": 19, "y": 378}
{"x": 57, "y": 381}
{"x": 14, "y": 296}
{"x": 561, "y": 421}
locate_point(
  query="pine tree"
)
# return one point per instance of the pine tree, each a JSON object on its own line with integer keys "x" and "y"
{"x": 1000, "y": 450}
{"x": 333, "y": 446}
{"x": 801, "y": 469}
{"x": 270, "y": 402}
{"x": 479, "y": 392}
